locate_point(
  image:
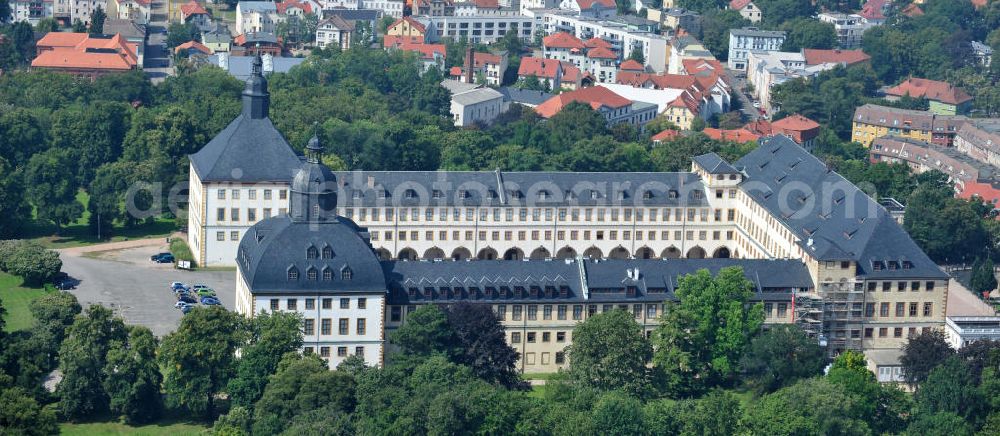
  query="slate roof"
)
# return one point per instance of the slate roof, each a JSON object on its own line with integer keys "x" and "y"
{"x": 473, "y": 188}
{"x": 714, "y": 164}
{"x": 832, "y": 218}
{"x": 476, "y": 96}
{"x": 524, "y": 96}
{"x": 270, "y": 248}
{"x": 239, "y": 66}
{"x": 561, "y": 281}
{"x": 353, "y": 14}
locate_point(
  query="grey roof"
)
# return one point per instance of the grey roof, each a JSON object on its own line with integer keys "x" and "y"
{"x": 247, "y": 150}
{"x": 353, "y": 14}
{"x": 526, "y": 97}
{"x": 258, "y": 6}
{"x": 714, "y": 164}
{"x": 272, "y": 247}
{"x": 456, "y": 86}
{"x": 560, "y": 280}
{"x": 473, "y": 188}
{"x": 476, "y": 96}
{"x": 254, "y": 37}
{"x": 757, "y": 33}
{"x": 239, "y": 66}
{"x": 217, "y": 34}
{"x": 833, "y": 218}
{"x": 127, "y": 28}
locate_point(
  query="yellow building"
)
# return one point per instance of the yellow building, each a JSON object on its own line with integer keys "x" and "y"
{"x": 871, "y": 122}
{"x": 407, "y": 28}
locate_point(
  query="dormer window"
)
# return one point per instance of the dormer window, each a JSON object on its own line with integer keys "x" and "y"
{"x": 410, "y": 194}
{"x": 570, "y": 195}
{"x": 356, "y": 194}
{"x": 327, "y": 253}
{"x": 698, "y": 195}
{"x": 907, "y": 264}
{"x": 646, "y": 195}
{"x": 622, "y": 195}
{"x": 312, "y": 253}
{"x": 463, "y": 193}
{"x": 346, "y": 273}
{"x": 672, "y": 194}
{"x": 437, "y": 193}
{"x": 543, "y": 195}
{"x": 492, "y": 195}
{"x": 893, "y": 265}
{"x": 381, "y": 193}
{"x": 312, "y": 274}
{"x": 877, "y": 265}
{"x": 594, "y": 195}
{"x": 327, "y": 274}
{"x": 293, "y": 273}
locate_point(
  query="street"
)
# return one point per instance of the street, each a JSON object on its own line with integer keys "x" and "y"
{"x": 126, "y": 281}
{"x": 157, "y": 59}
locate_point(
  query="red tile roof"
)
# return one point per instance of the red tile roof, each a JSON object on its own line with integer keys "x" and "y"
{"x": 562, "y": 40}
{"x": 873, "y": 9}
{"x": 816, "y": 56}
{"x": 83, "y": 51}
{"x": 393, "y": 40}
{"x": 538, "y": 67}
{"x": 632, "y": 65}
{"x": 597, "y": 42}
{"x": 735, "y": 135}
{"x": 192, "y": 45}
{"x": 795, "y": 122}
{"x": 413, "y": 23}
{"x": 687, "y": 101}
{"x": 760, "y": 127}
{"x": 426, "y": 51}
{"x": 596, "y": 97}
{"x": 601, "y": 53}
{"x": 738, "y": 4}
{"x": 665, "y": 135}
{"x": 665, "y": 81}
{"x": 571, "y": 73}
{"x": 455, "y": 71}
{"x": 979, "y": 3}
{"x": 912, "y": 10}
{"x": 943, "y": 92}
{"x": 587, "y": 4}
{"x": 487, "y": 4}
{"x": 192, "y": 8}
{"x": 283, "y": 6}
{"x": 483, "y": 58}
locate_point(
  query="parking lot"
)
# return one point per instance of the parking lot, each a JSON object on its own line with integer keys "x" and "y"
{"x": 126, "y": 281}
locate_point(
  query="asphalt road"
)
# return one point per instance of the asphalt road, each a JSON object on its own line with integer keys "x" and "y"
{"x": 136, "y": 289}
{"x": 156, "y": 62}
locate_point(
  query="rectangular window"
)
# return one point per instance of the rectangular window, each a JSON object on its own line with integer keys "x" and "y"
{"x": 561, "y": 312}
{"x": 361, "y": 326}
{"x": 913, "y": 309}
{"x": 222, "y": 194}
{"x": 362, "y": 303}
{"x": 345, "y": 303}
{"x": 531, "y": 337}
{"x": 310, "y": 303}
{"x": 869, "y": 309}
{"x": 897, "y": 332}
{"x": 327, "y": 303}
{"x": 342, "y": 326}
{"x": 900, "y": 309}
{"x": 930, "y": 286}
{"x": 234, "y": 235}
{"x": 868, "y": 332}
{"x": 359, "y": 351}
{"x": 251, "y": 214}
{"x": 532, "y": 312}
{"x": 560, "y": 357}
{"x": 293, "y": 304}
{"x": 395, "y": 314}
{"x": 341, "y": 351}
{"x": 220, "y": 214}
{"x": 547, "y": 312}
{"x": 309, "y": 327}
{"x": 274, "y": 304}
{"x": 267, "y": 194}
{"x": 252, "y": 194}
{"x": 883, "y": 309}
{"x": 516, "y": 312}
{"x": 326, "y": 326}
{"x": 220, "y": 236}
{"x": 324, "y": 352}
{"x": 546, "y": 337}
{"x": 236, "y": 194}
{"x": 234, "y": 214}
{"x": 283, "y": 194}
{"x": 501, "y": 312}
{"x": 577, "y": 312}
{"x": 928, "y": 308}
{"x": 782, "y": 309}
{"x": 515, "y": 338}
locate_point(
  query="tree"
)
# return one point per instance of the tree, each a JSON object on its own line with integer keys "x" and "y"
{"x": 97, "y": 21}
{"x": 79, "y": 26}
{"x": 425, "y": 332}
{"x": 132, "y": 378}
{"x": 702, "y": 336}
{"x": 804, "y": 408}
{"x": 82, "y": 359}
{"x": 198, "y": 358}
{"x": 776, "y": 13}
{"x": 949, "y": 229}
{"x": 809, "y": 33}
{"x": 271, "y": 336}
{"x": 922, "y": 353}
{"x": 618, "y": 414}
{"x": 46, "y": 25}
{"x": 941, "y": 423}
{"x": 715, "y": 27}
{"x": 302, "y": 384}
{"x": 636, "y": 54}
{"x": 179, "y": 33}
{"x": 779, "y": 356}
{"x": 33, "y": 263}
{"x": 484, "y": 346}
{"x": 14, "y": 209}
{"x": 54, "y": 313}
{"x": 610, "y": 352}
{"x": 20, "y": 414}
{"x": 951, "y": 388}
{"x": 51, "y": 192}
{"x": 884, "y": 407}
{"x": 984, "y": 277}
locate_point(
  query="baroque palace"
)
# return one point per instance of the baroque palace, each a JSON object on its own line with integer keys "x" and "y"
{"x": 355, "y": 252}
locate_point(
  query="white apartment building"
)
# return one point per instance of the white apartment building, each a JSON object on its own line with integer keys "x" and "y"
{"x": 960, "y": 331}
{"x": 742, "y": 41}
{"x": 623, "y": 40}
{"x": 81, "y": 9}
{"x": 850, "y": 28}
{"x": 255, "y": 16}
{"x": 30, "y": 11}
{"x": 476, "y": 106}
{"x": 485, "y": 27}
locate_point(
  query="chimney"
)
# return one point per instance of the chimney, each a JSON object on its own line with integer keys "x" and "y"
{"x": 469, "y": 64}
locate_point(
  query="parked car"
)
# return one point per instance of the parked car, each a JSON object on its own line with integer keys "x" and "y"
{"x": 205, "y": 292}
{"x": 181, "y": 304}
{"x": 185, "y": 298}
{"x": 156, "y": 257}
{"x": 183, "y": 290}
{"x": 166, "y": 258}
{"x": 210, "y": 301}
{"x": 177, "y": 285}
{"x": 198, "y": 286}
{"x": 187, "y": 309}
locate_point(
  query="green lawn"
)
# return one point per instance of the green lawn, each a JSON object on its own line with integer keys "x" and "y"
{"x": 537, "y": 391}
{"x": 16, "y": 300}
{"x": 114, "y": 428}
{"x": 77, "y": 233}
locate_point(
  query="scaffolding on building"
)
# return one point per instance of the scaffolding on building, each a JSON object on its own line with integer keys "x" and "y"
{"x": 843, "y": 310}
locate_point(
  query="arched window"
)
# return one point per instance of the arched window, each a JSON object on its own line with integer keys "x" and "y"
{"x": 345, "y": 274}
{"x": 293, "y": 273}
{"x": 327, "y": 253}
{"x": 312, "y": 253}
{"x": 327, "y": 274}
{"x": 311, "y": 273}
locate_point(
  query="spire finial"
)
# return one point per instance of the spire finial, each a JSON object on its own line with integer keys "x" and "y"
{"x": 314, "y": 150}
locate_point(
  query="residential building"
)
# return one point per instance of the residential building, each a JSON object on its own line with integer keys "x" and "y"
{"x": 194, "y": 12}
{"x": 979, "y": 138}
{"x": 800, "y": 129}
{"x": 665, "y": 136}
{"x": 873, "y": 11}
{"x": 873, "y": 121}
{"x": 29, "y": 11}
{"x": 944, "y": 98}
{"x": 430, "y": 55}
{"x": 849, "y": 27}
{"x": 684, "y": 48}
{"x": 296, "y": 8}
{"x": 740, "y": 135}
{"x": 845, "y": 58}
{"x": 698, "y": 95}
{"x": 434, "y": 7}
{"x": 257, "y": 43}
{"x": 969, "y": 176}
{"x": 137, "y": 11}
{"x": 217, "y": 38}
{"x": 590, "y": 8}
{"x": 241, "y": 67}
{"x": 631, "y": 66}
{"x": 409, "y": 29}
{"x": 488, "y": 67}
{"x": 190, "y": 48}
{"x": 483, "y": 27}
{"x": 255, "y": 16}
{"x": 982, "y": 52}
{"x": 961, "y": 331}
{"x": 479, "y": 106}
{"x": 677, "y": 19}
{"x": 360, "y": 18}
{"x": 743, "y": 41}
{"x": 623, "y": 40}
{"x": 133, "y": 32}
{"x": 615, "y": 108}
{"x": 747, "y": 10}
{"x": 79, "y": 9}
{"x": 334, "y": 31}
{"x": 528, "y": 5}
{"x": 548, "y": 71}
{"x": 765, "y": 69}
{"x": 389, "y": 8}
{"x": 525, "y": 97}
{"x": 83, "y": 55}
